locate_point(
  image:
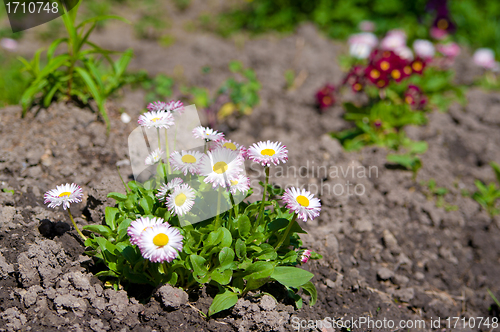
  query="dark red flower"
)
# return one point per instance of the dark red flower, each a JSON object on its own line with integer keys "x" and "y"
{"x": 415, "y": 97}
{"x": 325, "y": 96}
{"x": 357, "y": 86}
{"x": 418, "y": 65}
{"x": 373, "y": 74}
{"x": 377, "y": 123}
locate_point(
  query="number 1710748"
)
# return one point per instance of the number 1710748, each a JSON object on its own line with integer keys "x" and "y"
{"x": 32, "y": 7}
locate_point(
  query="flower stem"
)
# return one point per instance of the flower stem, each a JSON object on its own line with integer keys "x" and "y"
{"x": 76, "y": 227}
{"x": 205, "y": 148}
{"x": 119, "y": 174}
{"x": 217, "y": 218}
{"x": 168, "y": 152}
{"x": 235, "y": 207}
{"x": 261, "y": 210}
{"x": 285, "y": 234}
{"x": 161, "y": 162}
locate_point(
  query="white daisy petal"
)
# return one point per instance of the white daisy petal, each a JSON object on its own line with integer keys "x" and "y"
{"x": 241, "y": 184}
{"x": 156, "y": 119}
{"x": 181, "y": 200}
{"x": 207, "y": 134}
{"x": 187, "y": 161}
{"x": 166, "y": 187}
{"x": 176, "y": 106}
{"x": 228, "y": 144}
{"x": 221, "y": 166}
{"x": 302, "y": 202}
{"x": 268, "y": 152}
{"x": 64, "y": 194}
{"x": 154, "y": 157}
{"x": 160, "y": 243}
{"x": 140, "y": 225}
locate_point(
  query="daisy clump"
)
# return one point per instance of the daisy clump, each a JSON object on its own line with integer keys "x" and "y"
{"x": 196, "y": 228}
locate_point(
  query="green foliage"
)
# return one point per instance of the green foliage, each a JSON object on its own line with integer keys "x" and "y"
{"x": 487, "y": 195}
{"x": 477, "y": 21}
{"x": 157, "y": 88}
{"x": 236, "y": 252}
{"x": 243, "y": 92}
{"x": 13, "y": 81}
{"x": 77, "y": 74}
{"x": 438, "y": 193}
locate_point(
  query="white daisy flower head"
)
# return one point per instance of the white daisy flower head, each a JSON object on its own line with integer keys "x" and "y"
{"x": 176, "y": 106}
{"x": 181, "y": 200}
{"x": 167, "y": 187}
{"x": 140, "y": 225}
{"x": 268, "y": 152}
{"x": 158, "y": 106}
{"x": 207, "y": 134}
{"x": 241, "y": 184}
{"x": 64, "y": 195}
{"x": 187, "y": 161}
{"x": 154, "y": 157}
{"x": 228, "y": 144}
{"x": 302, "y": 202}
{"x": 424, "y": 48}
{"x": 306, "y": 254}
{"x": 160, "y": 243}
{"x": 156, "y": 119}
{"x": 221, "y": 166}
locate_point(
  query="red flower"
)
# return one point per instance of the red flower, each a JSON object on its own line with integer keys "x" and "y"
{"x": 418, "y": 66}
{"x": 325, "y": 97}
{"x": 415, "y": 97}
{"x": 373, "y": 74}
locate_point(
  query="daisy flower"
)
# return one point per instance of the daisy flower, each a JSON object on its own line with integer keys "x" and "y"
{"x": 158, "y": 106}
{"x": 156, "y": 119}
{"x": 166, "y": 187}
{"x": 64, "y": 194}
{"x": 302, "y": 202}
{"x": 160, "y": 243}
{"x": 268, "y": 152}
{"x": 305, "y": 256}
{"x": 176, "y": 106}
{"x": 241, "y": 184}
{"x": 154, "y": 157}
{"x": 140, "y": 225}
{"x": 181, "y": 200}
{"x": 221, "y": 166}
{"x": 228, "y": 144}
{"x": 186, "y": 161}
{"x": 207, "y": 134}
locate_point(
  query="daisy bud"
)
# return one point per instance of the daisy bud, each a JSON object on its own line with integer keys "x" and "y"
{"x": 305, "y": 256}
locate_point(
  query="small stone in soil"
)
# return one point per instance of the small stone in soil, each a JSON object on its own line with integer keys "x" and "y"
{"x": 171, "y": 297}
{"x": 384, "y": 273}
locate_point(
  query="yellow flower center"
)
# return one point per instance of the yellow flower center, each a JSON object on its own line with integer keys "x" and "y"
{"x": 442, "y": 24}
{"x": 268, "y": 152}
{"x": 302, "y": 200}
{"x": 65, "y": 194}
{"x": 220, "y": 167}
{"x": 180, "y": 199}
{"x": 161, "y": 240}
{"x": 396, "y": 74}
{"x": 417, "y": 66}
{"x": 188, "y": 159}
{"x": 327, "y": 100}
{"x": 407, "y": 70}
{"x": 230, "y": 145}
{"x": 374, "y": 73}
{"x": 155, "y": 119}
{"x": 380, "y": 83}
{"x": 409, "y": 99}
{"x": 357, "y": 86}
{"x": 233, "y": 183}
{"x": 384, "y": 65}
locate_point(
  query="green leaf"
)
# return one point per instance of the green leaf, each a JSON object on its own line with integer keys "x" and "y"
{"x": 227, "y": 239}
{"x": 101, "y": 18}
{"x": 226, "y": 257}
{"x": 241, "y": 249}
{"x": 244, "y": 225}
{"x": 122, "y": 229}
{"x": 277, "y": 224}
{"x": 99, "y": 229}
{"x": 496, "y": 169}
{"x": 53, "y": 46}
{"x": 222, "y": 301}
{"x": 310, "y": 289}
{"x": 122, "y": 63}
{"x": 147, "y": 204}
{"x": 291, "y": 276}
{"x": 200, "y": 271}
{"x": 117, "y": 196}
{"x": 258, "y": 274}
{"x": 223, "y": 277}
{"x": 110, "y": 216}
